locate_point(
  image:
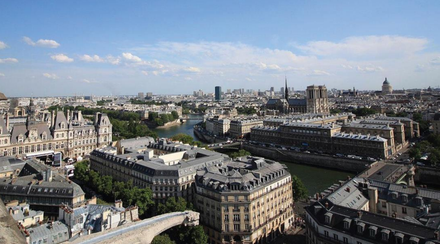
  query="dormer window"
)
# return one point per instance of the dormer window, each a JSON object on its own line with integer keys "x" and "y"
{"x": 385, "y": 234}
{"x": 372, "y": 231}
{"x": 414, "y": 240}
{"x": 419, "y": 201}
{"x": 360, "y": 227}
{"x": 62, "y": 125}
{"x": 394, "y": 195}
{"x": 347, "y": 223}
{"x": 328, "y": 218}
{"x": 405, "y": 198}
{"x": 399, "y": 238}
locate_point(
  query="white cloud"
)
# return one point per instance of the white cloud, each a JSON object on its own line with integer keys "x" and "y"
{"x": 113, "y": 60}
{"x": 50, "y": 76}
{"x": 61, "y": 58}
{"x": 192, "y": 70}
{"x": 317, "y": 72}
{"x": 69, "y": 77}
{"x": 94, "y": 58}
{"x": 369, "y": 69}
{"x": 371, "y": 46}
{"x": 41, "y": 42}
{"x": 2, "y": 75}
{"x": 187, "y": 78}
{"x": 86, "y": 81}
{"x": 346, "y": 66}
{"x": 132, "y": 58}
{"x": 8, "y": 60}
{"x": 436, "y": 61}
{"x": 3, "y": 45}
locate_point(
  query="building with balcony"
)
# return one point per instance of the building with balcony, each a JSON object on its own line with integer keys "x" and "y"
{"x": 245, "y": 201}
{"x": 168, "y": 169}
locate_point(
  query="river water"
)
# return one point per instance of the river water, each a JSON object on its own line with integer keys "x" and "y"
{"x": 315, "y": 179}
{"x": 186, "y": 128}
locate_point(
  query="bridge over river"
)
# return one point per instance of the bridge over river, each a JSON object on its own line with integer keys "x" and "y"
{"x": 142, "y": 231}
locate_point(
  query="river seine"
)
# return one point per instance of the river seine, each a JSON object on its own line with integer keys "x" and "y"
{"x": 315, "y": 179}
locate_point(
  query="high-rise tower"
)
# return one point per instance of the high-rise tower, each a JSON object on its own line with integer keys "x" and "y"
{"x": 218, "y": 93}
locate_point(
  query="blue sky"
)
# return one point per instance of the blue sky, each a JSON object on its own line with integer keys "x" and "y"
{"x": 50, "y": 48}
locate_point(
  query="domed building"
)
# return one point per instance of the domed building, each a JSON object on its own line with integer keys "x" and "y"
{"x": 386, "y": 87}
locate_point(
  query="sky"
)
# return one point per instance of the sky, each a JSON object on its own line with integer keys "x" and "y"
{"x": 65, "y": 48}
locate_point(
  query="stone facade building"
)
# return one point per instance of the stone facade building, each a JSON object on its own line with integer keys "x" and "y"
{"x": 386, "y": 87}
{"x": 168, "y": 169}
{"x": 240, "y": 128}
{"x": 379, "y": 137}
{"x": 38, "y": 187}
{"x": 244, "y": 201}
{"x": 73, "y": 136}
{"x": 316, "y": 101}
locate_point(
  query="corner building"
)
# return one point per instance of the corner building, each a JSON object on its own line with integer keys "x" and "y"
{"x": 245, "y": 201}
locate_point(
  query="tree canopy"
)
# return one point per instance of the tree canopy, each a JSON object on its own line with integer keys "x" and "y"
{"x": 299, "y": 190}
{"x": 111, "y": 190}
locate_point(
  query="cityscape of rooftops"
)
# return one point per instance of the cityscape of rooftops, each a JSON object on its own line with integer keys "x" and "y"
{"x": 220, "y": 122}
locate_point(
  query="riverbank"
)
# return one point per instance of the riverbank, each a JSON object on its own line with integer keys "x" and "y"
{"x": 324, "y": 161}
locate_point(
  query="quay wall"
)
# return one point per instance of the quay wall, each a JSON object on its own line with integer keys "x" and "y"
{"x": 427, "y": 175}
{"x": 323, "y": 161}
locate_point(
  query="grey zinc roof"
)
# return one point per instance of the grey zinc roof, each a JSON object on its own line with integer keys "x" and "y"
{"x": 4, "y": 130}
{"x": 349, "y": 196}
{"x": 135, "y": 143}
{"x": 44, "y": 231}
{"x": 359, "y": 137}
{"x": 249, "y": 174}
{"x": 297, "y": 102}
{"x": 23, "y": 129}
{"x": 367, "y": 126}
{"x": 60, "y": 118}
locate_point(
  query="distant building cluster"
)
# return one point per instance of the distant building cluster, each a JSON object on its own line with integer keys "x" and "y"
{"x": 377, "y": 137}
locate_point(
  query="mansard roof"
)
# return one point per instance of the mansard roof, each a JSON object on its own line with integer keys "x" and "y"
{"x": 4, "y": 130}
{"x": 59, "y": 119}
{"x": 22, "y": 129}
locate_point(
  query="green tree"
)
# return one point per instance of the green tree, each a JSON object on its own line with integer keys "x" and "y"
{"x": 415, "y": 153}
{"x": 299, "y": 190}
{"x": 81, "y": 171}
{"x": 173, "y": 205}
{"x": 175, "y": 115}
{"x": 434, "y": 157}
{"x": 184, "y": 138}
{"x": 194, "y": 234}
{"x": 240, "y": 153}
{"x": 162, "y": 239}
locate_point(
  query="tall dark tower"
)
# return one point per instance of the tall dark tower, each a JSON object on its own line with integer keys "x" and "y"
{"x": 286, "y": 91}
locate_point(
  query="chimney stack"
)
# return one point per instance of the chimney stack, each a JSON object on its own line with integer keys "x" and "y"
{"x": 52, "y": 119}
{"x": 7, "y": 122}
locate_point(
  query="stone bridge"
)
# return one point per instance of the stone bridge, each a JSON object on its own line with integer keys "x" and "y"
{"x": 142, "y": 231}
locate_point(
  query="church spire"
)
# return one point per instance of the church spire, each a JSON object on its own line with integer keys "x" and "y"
{"x": 286, "y": 90}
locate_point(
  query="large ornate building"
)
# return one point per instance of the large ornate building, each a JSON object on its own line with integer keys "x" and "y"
{"x": 386, "y": 87}
{"x": 71, "y": 135}
{"x": 245, "y": 201}
{"x": 316, "y": 101}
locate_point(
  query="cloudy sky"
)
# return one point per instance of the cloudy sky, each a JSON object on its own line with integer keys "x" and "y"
{"x": 50, "y": 48}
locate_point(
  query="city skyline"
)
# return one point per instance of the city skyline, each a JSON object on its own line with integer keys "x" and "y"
{"x": 175, "y": 48}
